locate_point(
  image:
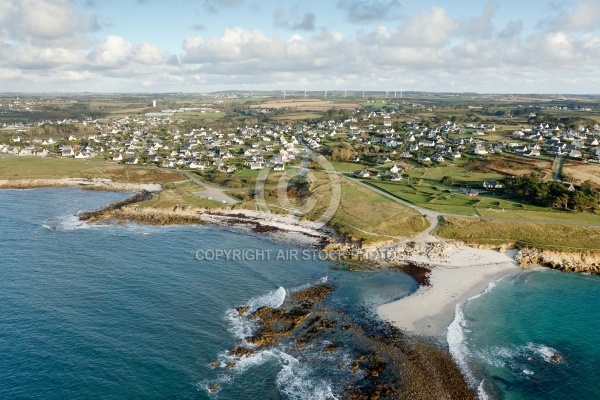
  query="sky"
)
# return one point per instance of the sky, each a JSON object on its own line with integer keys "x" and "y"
{"x": 495, "y": 46}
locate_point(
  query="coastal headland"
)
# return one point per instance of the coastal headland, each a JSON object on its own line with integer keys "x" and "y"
{"x": 412, "y": 194}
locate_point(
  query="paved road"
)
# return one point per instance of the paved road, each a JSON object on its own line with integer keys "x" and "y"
{"x": 559, "y": 164}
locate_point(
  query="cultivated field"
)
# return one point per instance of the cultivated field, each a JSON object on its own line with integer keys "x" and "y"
{"x": 309, "y": 104}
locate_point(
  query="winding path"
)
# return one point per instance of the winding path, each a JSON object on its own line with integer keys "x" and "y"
{"x": 432, "y": 216}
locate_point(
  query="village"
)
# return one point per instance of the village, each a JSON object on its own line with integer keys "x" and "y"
{"x": 368, "y": 137}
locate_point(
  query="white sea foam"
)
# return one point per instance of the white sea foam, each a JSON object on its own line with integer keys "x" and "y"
{"x": 260, "y": 357}
{"x": 240, "y": 326}
{"x": 69, "y": 223}
{"x": 542, "y": 350}
{"x": 455, "y": 337}
{"x": 66, "y": 223}
{"x": 481, "y": 394}
{"x": 521, "y": 359}
{"x": 218, "y": 384}
{"x": 297, "y": 381}
{"x": 273, "y": 299}
{"x": 498, "y": 356}
{"x": 320, "y": 281}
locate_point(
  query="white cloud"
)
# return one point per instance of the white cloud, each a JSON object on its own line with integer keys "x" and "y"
{"x": 147, "y": 53}
{"x": 433, "y": 50}
{"x": 41, "y": 19}
{"x": 584, "y": 17}
{"x": 111, "y": 53}
{"x": 29, "y": 56}
{"x": 244, "y": 52}
{"x": 482, "y": 25}
{"x": 433, "y": 28}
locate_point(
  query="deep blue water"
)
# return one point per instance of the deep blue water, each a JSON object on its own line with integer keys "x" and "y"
{"x": 513, "y": 331}
{"x": 120, "y": 312}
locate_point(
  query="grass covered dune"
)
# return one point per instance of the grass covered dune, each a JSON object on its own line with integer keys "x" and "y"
{"x": 482, "y": 231}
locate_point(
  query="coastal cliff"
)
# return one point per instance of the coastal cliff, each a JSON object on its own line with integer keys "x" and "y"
{"x": 582, "y": 261}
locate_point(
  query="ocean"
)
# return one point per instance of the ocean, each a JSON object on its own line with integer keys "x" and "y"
{"x": 533, "y": 336}
{"x": 128, "y": 311}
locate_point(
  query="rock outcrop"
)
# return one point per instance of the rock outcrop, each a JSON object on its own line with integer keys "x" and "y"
{"x": 583, "y": 261}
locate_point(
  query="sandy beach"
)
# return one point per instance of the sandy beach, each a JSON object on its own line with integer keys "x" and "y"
{"x": 458, "y": 274}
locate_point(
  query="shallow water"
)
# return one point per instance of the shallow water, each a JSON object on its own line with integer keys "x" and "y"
{"x": 535, "y": 336}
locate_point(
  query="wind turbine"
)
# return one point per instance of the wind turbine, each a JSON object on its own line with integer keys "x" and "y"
{"x": 395, "y": 94}
{"x": 386, "y": 94}
{"x": 363, "y": 94}
{"x": 284, "y": 94}
{"x": 304, "y": 93}
{"x": 326, "y": 94}
{"x": 345, "y": 92}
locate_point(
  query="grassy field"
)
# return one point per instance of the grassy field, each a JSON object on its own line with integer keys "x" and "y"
{"x": 296, "y": 116}
{"x": 370, "y": 218}
{"x": 181, "y": 195}
{"x": 543, "y": 235}
{"x": 379, "y": 104}
{"x": 463, "y": 174}
{"x": 308, "y": 104}
{"x": 341, "y": 166}
{"x": 362, "y": 215}
{"x": 581, "y": 172}
{"x": 450, "y": 201}
{"x": 55, "y": 168}
{"x": 201, "y": 116}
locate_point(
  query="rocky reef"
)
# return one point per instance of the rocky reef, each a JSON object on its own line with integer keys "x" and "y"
{"x": 384, "y": 362}
{"x": 123, "y": 211}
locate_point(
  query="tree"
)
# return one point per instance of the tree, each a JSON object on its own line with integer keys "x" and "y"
{"x": 587, "y": 187}
{"x": 446, "y": 180}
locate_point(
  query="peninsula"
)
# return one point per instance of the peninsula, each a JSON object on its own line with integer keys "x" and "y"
{"x": 457, "y": 197}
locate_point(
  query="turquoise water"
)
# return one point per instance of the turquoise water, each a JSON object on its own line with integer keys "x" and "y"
{"x": 119, "y": 312}
{"x": 512, "y": 332}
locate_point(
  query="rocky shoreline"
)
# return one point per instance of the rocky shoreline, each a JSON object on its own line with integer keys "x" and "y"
{"x": 281, "y": 228}
{"x": 423, "y": 365}
{"x": 87, "y": 184}
{"x": 385, "y": 363}
{"x": 582, "y": 262}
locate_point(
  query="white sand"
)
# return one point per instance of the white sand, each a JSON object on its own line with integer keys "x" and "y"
{"x": 290, "y": 229}
{"x": 463, "y": 273}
